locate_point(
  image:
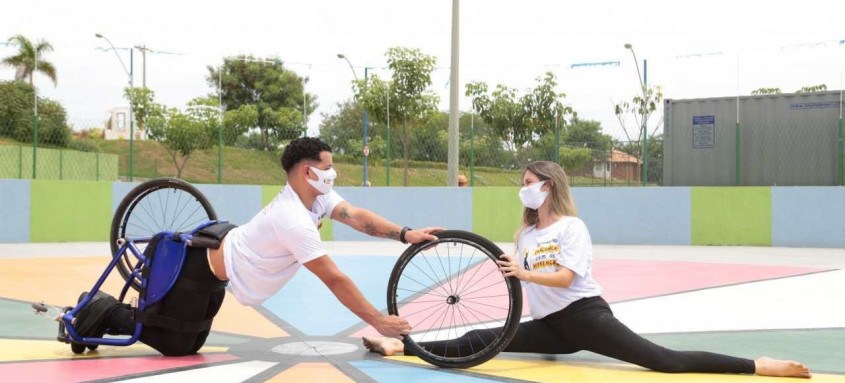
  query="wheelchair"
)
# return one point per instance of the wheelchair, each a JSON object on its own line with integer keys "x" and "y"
{"x": 150, "y": 233}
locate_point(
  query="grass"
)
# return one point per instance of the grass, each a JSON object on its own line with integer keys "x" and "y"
{"x": 253, "y": 167}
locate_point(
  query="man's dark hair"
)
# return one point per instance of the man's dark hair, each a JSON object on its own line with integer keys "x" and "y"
{"x": 301, "y": 149}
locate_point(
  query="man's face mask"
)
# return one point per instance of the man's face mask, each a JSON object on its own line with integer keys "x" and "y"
{"x": 325, "y": 179}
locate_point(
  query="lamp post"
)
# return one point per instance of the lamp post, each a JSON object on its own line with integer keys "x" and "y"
{"x": 366, "y": 149}
{"x": 643, "y": 81}
{"x": 129, "y": 73}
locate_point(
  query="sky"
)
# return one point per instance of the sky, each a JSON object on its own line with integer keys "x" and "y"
{"x": 694, "y": 49}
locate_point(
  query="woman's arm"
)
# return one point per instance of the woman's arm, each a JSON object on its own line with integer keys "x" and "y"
{"x": 562, "y": 277}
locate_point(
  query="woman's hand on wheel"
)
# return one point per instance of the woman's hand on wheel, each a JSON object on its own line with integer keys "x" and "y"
{"x": 392, "y": 326}
{"x": 510, "y": 267}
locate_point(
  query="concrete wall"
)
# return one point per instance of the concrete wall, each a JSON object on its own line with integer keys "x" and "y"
{"x": 64, "y": 211}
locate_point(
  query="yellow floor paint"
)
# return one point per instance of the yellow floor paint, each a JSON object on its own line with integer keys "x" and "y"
{"x": 311, "y": 372}
{"x": 24, "y": 279}
{"x": 560, "y": 372}
{"x": 29, "y": 350}
{"x": 235, "y": 318}
{"x": 56, "y": 281}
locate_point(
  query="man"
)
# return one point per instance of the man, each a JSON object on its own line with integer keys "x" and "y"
{"x": 260, "y": 257}
{"x": 462, "y": 180}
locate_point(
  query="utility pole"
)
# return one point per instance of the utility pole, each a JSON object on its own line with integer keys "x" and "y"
{"x": 143, "y": 49}
{"x": 454, "y": 96}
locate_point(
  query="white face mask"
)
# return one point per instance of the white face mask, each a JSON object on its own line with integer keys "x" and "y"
{"x": 532, "y": 197}
{"x": 325, "y": 179}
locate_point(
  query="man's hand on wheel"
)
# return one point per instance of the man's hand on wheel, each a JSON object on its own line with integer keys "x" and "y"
{"x": 422, "y": 235}
{"x": 392, "y": 326}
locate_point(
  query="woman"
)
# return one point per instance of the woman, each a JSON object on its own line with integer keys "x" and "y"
{"x": 554, "y": 263}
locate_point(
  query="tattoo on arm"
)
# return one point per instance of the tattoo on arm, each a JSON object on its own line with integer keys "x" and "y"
{"x": 344, "y": 213}
{"x": 393, "y": 234}
{"x": 370, "y": 228}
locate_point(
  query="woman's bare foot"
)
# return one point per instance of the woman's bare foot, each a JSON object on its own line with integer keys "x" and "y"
{"x": 773, "y": 367}
{"x": 383, "y": 345}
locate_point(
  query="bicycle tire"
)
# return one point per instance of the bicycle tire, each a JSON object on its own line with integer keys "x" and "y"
{"x": 142, "y": 199}
{"x": 457, "y": 291}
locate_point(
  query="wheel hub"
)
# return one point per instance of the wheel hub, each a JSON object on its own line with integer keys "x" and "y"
{"x": 452, "y": 299}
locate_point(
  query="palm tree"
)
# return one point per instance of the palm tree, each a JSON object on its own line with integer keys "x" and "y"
{"x": 25, "y": 60}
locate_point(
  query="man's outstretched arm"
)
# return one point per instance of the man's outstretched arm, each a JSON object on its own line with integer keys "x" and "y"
{"x": 375, "y": 225}
{"x": 350, "y": 296}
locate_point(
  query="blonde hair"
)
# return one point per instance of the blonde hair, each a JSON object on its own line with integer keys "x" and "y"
{"x": 560, "y": 197}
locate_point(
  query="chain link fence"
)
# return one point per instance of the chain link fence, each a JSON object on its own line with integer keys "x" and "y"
{"x": 408, "y": 156}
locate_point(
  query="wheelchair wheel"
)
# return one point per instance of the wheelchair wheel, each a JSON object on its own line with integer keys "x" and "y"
{"x": 161, "y": 204}
{"x": 77, "y": 348}
{"x": 448, "y": 287}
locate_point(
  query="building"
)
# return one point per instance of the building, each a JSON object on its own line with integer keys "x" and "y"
{"x": 117, "y": 126}
{"x": 789, "y": 139}
{"x": 620, "y": 166}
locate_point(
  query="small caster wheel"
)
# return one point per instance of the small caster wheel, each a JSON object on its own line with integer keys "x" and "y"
{"x": 77, "y": 348}
{"x": 93, "y": 347}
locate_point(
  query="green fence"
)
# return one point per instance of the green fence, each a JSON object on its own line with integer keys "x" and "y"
{"x": 57, "y": 164}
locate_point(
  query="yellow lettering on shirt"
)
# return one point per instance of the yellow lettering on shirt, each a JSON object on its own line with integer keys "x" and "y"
{"x": 543, "y": 264}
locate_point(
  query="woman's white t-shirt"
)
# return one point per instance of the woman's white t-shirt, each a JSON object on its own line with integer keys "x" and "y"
{"x": 565, "y": 243}
{"x": 263, "y": 255}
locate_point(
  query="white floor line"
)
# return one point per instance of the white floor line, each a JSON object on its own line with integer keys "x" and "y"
{"x": 237, "y": 372}
{"x": 810, "y": 301}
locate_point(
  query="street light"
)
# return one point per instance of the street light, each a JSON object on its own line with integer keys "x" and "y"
{"x": 129, "y": 73}
{"x": 366, "y": 149}
{"x": 643, "y": 80}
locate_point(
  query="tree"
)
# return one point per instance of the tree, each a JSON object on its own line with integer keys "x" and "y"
{"x": 206, "y": 110}
{"x": 237, "y": 122}
{"x": 337, "y": 129}
{"x": 522, "y": 120}
{"x": 587, "y": 133}
{"x": 142, "y": 101}
{"x": 812, "y": 88}
{"x": 411, "y": 100}
{"x": 179, "y": 133}
{"x": 25, "y": 60}
{"x": 763, "y": 91}
{"x": 640, "y": 111}
{"x": 275, "y": 91}
{"x": 16, "y": 104}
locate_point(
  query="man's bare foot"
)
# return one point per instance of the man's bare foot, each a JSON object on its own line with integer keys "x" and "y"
{"x": 383, "y": 345}
{"x": 773, "y": 367}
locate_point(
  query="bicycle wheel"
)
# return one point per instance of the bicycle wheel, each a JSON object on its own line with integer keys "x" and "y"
{"x": 448, "y": 287}
{"x": 161, "y": 204}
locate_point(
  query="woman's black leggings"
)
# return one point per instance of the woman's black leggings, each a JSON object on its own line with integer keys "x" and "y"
{"x": 588, "y": 324}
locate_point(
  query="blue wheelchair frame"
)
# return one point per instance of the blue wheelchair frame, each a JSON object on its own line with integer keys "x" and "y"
{"x": 155, "y": 281}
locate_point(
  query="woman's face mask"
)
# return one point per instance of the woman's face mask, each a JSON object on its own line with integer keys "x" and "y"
{"x": 324, "y": 181}
{"x": 532, "y": 197}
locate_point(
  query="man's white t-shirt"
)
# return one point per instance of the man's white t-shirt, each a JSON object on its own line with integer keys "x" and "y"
{"x": 565, "y": 243}
{"x": 263, "y": 255}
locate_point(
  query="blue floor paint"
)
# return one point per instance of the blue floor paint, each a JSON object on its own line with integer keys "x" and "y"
{"x": 307, "y": 304}
{"x": 390, "y": 372}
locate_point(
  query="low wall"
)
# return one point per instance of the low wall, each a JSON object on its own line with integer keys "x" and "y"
{"x": 64, "y": 211}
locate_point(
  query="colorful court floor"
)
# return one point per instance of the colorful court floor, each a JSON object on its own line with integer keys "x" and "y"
{"x": 303, "y": 334}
